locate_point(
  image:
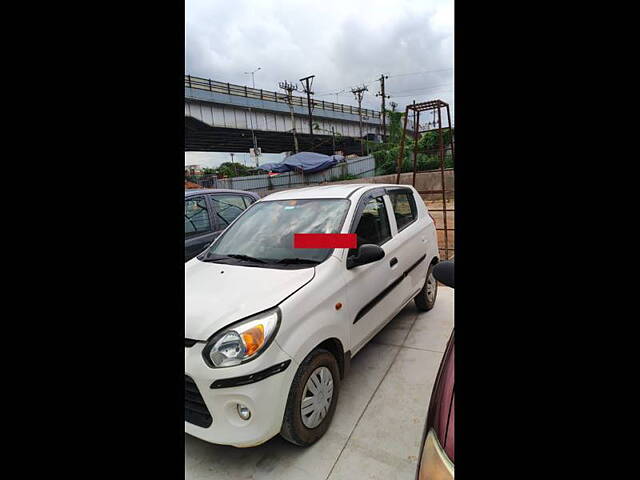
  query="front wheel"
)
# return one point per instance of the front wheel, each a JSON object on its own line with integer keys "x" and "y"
{"x": 426, "y": 299}
{"x": 312, "y": 399}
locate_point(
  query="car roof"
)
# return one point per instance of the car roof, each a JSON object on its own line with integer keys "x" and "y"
{"x": 200, "y": 191}
{"x": 344, "y": 190}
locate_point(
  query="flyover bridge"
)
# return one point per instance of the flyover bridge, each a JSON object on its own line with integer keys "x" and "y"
{"x": 226, "y": 105}
{"x": 200, "y": 137}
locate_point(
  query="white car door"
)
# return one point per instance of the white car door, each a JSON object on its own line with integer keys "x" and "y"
{"x": 373, "y": 290}
{"x": 411, "y": 240}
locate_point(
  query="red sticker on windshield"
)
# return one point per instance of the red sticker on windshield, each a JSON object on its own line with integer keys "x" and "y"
{"x": 325, "y": 240}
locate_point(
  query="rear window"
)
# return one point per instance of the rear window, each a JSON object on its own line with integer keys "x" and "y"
{"x": 228, "y": 207}
{"x": 404, "y": 207}
{"x": 196, "y": 217}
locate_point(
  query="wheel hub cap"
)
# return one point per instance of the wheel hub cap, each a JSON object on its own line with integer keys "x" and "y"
{"x": 316, "y": 397}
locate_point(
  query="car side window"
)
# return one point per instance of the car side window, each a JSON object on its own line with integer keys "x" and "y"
{"x": 248, "y": 201}
{"x": 373, "y": 226}
{"x": 227, "y": 208}
{"x": 404, "y": 207}
{"x": 196, "y": 217}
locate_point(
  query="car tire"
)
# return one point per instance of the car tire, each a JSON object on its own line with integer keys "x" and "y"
{"x": 426, "y": 299}
{"x": 303, "y": 431}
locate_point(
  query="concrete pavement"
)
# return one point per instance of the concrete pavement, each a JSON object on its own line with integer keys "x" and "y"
{"x": 377, "y": 426}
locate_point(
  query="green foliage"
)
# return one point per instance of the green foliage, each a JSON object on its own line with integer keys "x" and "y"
{"x": 430, "y": 140}
{"x": 395, "y": 126}
{"x": 386, "y": 154}
{"x": 228, "y": 169}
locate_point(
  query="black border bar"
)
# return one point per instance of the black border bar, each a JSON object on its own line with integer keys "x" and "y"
{"x": 253, "y": 378}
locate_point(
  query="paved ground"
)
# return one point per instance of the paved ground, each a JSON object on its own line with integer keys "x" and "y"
{"x": 377, "y": 427}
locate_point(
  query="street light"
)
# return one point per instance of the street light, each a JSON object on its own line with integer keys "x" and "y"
{"x": 252, "y": 73}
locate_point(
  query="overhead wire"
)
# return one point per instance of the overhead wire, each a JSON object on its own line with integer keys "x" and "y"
{"x": 420, "y": 73}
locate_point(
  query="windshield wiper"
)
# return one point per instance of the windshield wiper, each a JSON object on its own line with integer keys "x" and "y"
{"x": 293, "y": 261}
{"x": 245, "y": 257}
{"x": 210, "y": 257}
{"x": 215, "y": 257}
{"x": 237, "y": 256}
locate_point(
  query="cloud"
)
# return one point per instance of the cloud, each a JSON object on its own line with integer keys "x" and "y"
{"x": 344, "y": 43}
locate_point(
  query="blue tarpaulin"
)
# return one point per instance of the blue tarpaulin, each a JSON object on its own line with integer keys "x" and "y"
{"x": 307, "y": 162}
{"x": 274, "y": 167}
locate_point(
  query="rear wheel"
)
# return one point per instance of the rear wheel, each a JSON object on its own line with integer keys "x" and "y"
{"x": 426, "y": 299}
{"x": 312, "y": 399}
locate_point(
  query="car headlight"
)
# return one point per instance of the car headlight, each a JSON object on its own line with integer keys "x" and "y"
{"x": 242, "y": 341}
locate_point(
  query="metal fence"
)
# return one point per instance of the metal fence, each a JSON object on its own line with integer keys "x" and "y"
{"x": 259, "y": 94}
{"x": 435, "y": 107}
{"x": 361, "y": 167}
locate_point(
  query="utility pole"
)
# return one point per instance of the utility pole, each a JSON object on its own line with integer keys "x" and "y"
{"x": 307, "y": 90}
{"x": 393, "y": 106}
{"x": 384, "y": 113}
{"x": 290, "y": 88}
{"x": 333, "y": 134}
{"x": 235, "y": 170}
{"x": 253, "y": 135}
{"x": 359, "y": 93}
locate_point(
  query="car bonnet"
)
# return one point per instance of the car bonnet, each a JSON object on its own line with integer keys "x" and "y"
{"x": 218, "y": 294}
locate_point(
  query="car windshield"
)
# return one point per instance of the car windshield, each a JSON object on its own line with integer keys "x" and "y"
{"x": 263, "y": 235}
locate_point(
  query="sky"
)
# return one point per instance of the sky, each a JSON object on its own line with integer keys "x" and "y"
{"x": 343, "y": 43}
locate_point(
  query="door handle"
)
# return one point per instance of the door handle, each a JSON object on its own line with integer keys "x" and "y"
{"x": 393, "y": 261}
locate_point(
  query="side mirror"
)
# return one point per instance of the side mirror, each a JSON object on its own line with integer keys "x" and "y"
{"x": 367, "y": 253}
{"x": 444, "y": 273}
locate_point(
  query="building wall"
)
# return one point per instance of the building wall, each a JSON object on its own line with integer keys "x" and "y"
{"x": 425, "y": 181}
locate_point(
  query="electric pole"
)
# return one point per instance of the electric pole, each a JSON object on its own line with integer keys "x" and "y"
{"x": 307, "y": 89}
{"x": 384, "y": 113}
{"x": 359, "y": 93}
{"x": 290, "y": 88}
{"x": 253, "y": 135}
{"x": 234, "y": 165}
{"x": 333, "y": 136}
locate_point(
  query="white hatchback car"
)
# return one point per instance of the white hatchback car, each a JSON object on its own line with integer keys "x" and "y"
{"x": 270, "y": 330}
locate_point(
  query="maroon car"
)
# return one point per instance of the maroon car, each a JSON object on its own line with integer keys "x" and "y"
{"x": 438, "y": 441}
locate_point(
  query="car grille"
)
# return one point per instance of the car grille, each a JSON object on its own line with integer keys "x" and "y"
{"x": 195, "y": 410}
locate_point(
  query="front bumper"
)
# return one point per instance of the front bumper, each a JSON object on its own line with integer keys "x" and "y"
{"x": 434, "y": 463}
{"x": 266, "y": 398}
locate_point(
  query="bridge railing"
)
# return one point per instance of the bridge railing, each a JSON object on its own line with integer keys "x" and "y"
{"x": 260, "y": 94}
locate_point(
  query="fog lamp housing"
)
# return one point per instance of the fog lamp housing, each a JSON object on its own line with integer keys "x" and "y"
{"x": 243, "y": 411}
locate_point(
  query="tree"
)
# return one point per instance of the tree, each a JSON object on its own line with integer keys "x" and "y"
{"x": 386, "y": 154}
{"x": 229, "y": 169}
